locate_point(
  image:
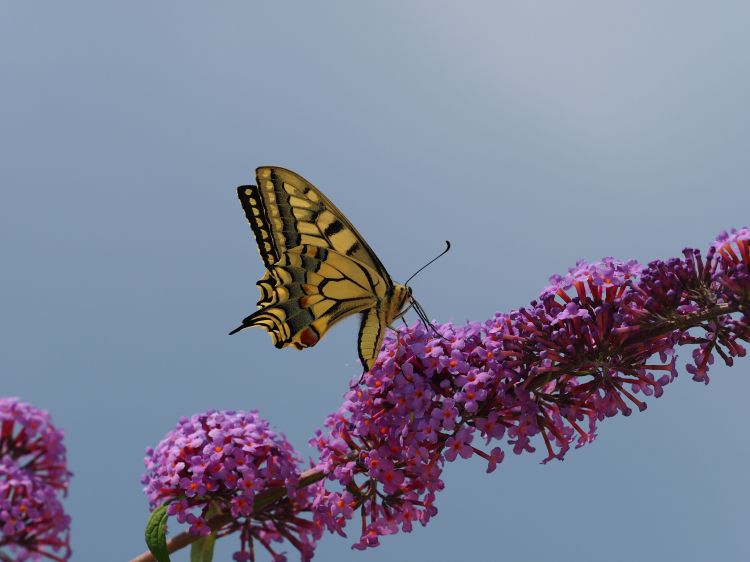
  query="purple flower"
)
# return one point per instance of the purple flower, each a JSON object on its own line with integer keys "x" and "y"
{"x": 598, "y": 340}
{"x": 739, "y": 237}
{"x": 198, "y": 525}
{"x": 496, "y": 457}
{"x": 32, "y": 520}
{"x": 459, "y": 444}
{"x": 179, "y": 509}
{"x": 571, "y": 310}
{"x": 224, "y": 461}
{"x": 28, "y": 437}
{"x": 33, "y": 476}
{"x": 446, "y": 414}
{"x": 454, "y": 364}
{"x": 491, "y": 426}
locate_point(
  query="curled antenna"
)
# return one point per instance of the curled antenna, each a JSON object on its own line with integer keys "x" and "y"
{"x": 447, "y": 247}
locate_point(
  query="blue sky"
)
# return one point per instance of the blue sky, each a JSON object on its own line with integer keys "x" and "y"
{"x": 529, "y": 134}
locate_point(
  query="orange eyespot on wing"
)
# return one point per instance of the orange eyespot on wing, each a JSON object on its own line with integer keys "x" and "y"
{"x": 308, "y": 337}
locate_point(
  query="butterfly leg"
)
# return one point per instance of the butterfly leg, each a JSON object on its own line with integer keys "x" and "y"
{"x": 361, "y": 378}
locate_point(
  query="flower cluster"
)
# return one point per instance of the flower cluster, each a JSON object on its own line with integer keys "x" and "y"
{"x": 550, "y": 372}
{"x": 33, "y": 476}
{"x": 734, "y": 262}
{"x": 596, "y": 343}
{"x": 225, "y": 472}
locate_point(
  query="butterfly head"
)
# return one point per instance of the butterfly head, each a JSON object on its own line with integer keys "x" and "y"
{"x": 400, "y": 302}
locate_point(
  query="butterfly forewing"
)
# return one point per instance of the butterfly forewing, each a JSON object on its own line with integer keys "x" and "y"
{"x": 287, "y": 211}
{"x": 257, "y": 216}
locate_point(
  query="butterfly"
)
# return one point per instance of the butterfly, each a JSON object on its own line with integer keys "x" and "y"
{"x": 319, "y": 269}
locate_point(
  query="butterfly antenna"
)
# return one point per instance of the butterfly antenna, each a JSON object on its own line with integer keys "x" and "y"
{"x": 447, "y": 247}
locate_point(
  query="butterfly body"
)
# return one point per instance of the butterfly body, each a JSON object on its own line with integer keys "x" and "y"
{"x": 319, "y": 269}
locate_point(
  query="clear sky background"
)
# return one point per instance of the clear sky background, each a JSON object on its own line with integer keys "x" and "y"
{"x": 530, "y": 134}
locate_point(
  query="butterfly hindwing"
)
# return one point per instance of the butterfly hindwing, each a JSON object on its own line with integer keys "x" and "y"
{"x": 308, "y": 290}
{"x": 371, "y": 333}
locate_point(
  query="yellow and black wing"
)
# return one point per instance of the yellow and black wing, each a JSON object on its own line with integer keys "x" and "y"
{"x": 285, "y": 211}
{"x": 319, "y": 268}
{"x": 308, "y": 290}
{"x": 371, "y": 333}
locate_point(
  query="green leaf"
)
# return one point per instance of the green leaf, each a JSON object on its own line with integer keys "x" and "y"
{"x": 202, "y": 550}
{"x": 156, "y": 534}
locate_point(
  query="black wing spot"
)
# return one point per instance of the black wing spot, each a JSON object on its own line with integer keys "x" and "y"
{"x": 353, "y": 249}
{"x": 333, "y": 228}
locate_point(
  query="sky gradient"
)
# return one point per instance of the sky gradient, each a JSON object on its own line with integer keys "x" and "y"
{"x": 529, "y": 134}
